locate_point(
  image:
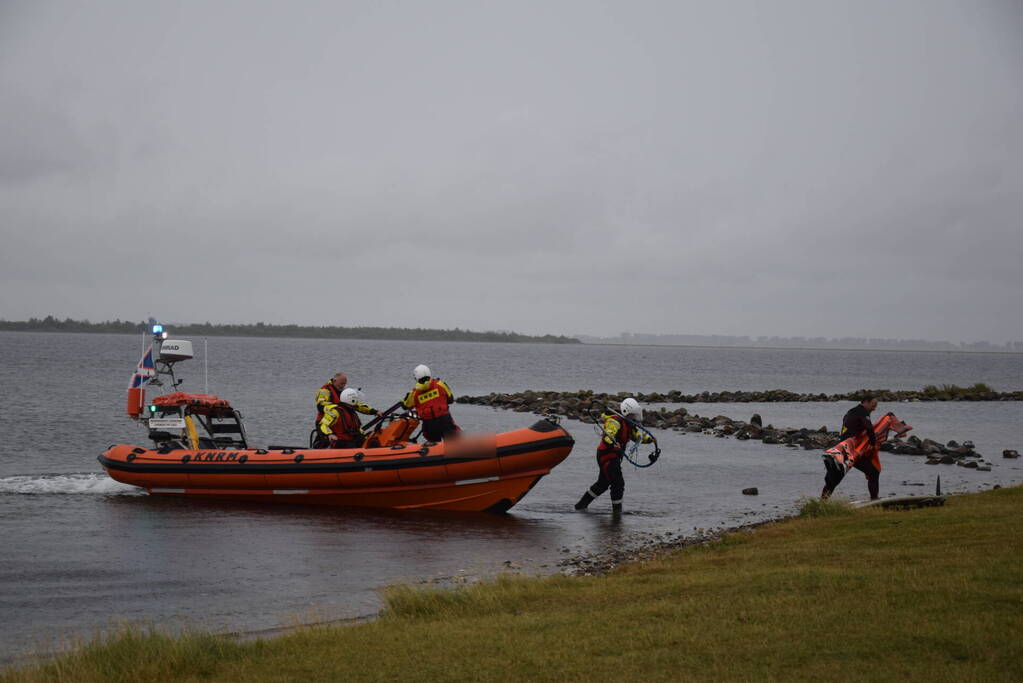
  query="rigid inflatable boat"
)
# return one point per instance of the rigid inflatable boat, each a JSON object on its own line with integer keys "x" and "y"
{"x": 201, "y": 450}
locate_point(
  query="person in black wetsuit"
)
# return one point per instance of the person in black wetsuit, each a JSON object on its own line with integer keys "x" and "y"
{"x": 855, "y": 422}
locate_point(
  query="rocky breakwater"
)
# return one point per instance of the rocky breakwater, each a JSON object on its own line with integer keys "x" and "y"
{"x": 583, "y": 405}
{"x": 947, "y": 392}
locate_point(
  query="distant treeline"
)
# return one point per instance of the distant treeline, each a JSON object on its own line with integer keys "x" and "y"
{"x": 51, "y": 324}
{"x": 800, "y": 342}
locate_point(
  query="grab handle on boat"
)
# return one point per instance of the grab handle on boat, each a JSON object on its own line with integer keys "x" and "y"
{"x": 369, "y": 426}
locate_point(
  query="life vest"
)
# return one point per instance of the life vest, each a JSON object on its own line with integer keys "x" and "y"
{"x": 346, "y": 425}
{"x": 328, "y": 393}
{"x": 431, "y": 402}
{"x": 621, "y": 438}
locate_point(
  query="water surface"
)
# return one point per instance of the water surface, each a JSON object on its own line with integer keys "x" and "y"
{"x": 83, "y": 552}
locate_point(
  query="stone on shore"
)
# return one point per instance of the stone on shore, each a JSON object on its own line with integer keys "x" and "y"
{"x": 584, "y": 405}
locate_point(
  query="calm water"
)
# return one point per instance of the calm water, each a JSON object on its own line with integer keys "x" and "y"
{"x": 81, "y": 552}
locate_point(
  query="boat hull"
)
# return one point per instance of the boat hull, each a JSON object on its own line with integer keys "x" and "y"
{"x": 471, "y": 474}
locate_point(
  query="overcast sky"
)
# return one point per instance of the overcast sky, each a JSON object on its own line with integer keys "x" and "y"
{"x": 776, "y": 168}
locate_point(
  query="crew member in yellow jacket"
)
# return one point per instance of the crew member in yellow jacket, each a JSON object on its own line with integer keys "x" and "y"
{"x": 431, "y": 398}
{"x": 616, "y": 435}
{"x": 330, "y": 394}
{"x": 340, "y": 426}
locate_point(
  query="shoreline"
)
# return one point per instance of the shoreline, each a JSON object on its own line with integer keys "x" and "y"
{"x": 648, "y": 548}
{"x": 411, "y": 608}
{"x": 609, "y": 559}
{"x": 807, "y": 348}
{"x": 258, "y": 331}
{"x": 550, "y": 343}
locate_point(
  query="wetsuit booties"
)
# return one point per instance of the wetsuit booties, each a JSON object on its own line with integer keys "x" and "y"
{"x": 585, "y": 501}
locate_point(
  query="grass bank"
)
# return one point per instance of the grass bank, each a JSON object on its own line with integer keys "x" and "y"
{"x": 933, "y": 594}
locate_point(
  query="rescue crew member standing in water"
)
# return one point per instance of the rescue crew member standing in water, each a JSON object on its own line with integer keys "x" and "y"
{"x": 856, "y": 422}
{"x": 340, "y": 426}
{"x": 431, "y": 398}
{"x": 331, "y": 393}
{"x": 617, "y": 432}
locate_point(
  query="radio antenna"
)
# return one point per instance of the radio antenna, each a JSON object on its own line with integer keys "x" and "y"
{"x": 205, "y": 366}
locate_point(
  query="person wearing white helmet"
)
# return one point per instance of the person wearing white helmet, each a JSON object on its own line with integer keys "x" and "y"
{"x": 331, "y": 393}
{"x": 618, "y": 429}
{"x": 340, "y": 426}
{"x": 431, "y": 397}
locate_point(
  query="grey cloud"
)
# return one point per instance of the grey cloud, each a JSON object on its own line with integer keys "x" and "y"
{"x": 37, "y": 141}
{"x": 706, "y": 167}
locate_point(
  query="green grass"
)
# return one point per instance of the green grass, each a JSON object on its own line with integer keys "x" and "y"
{"x": 815, "y": 507}
{"x": 934, "y": 594}
{"x": 950, "y": 392}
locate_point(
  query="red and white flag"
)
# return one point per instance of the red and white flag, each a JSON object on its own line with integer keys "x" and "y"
{"x": 144, "y": 371}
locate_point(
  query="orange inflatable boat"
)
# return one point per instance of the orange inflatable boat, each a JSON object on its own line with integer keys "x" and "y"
{"x": 200, "y": 449}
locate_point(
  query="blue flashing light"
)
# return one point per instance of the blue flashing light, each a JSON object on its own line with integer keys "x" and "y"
{"x": 157, "y": 329}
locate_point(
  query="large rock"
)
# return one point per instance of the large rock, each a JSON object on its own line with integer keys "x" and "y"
{"x": 1010, "y": 454}
{"x": 908, "y": 449}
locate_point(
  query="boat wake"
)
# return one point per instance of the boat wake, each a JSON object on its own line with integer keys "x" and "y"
{"x": 88, "y": 484}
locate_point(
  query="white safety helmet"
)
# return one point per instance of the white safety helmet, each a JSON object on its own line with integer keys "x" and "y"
{"x": 350, "y": 397}
{"x": 630, "y": 407}
{"x": 421, "y": 372}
